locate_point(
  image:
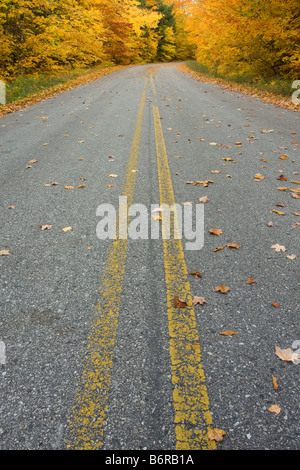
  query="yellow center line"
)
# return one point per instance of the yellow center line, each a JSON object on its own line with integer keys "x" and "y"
{"x": 86, "y": 427}
{"x": 190, "y": 398}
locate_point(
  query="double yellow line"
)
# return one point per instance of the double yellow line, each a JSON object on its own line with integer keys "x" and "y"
{"x": 190, "y": 398}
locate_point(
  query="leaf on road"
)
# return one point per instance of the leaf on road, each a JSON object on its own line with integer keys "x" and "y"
{"x": 46, "y": 227}
{"x": 204, "y": 199}
{"x": 196, "y": 274}
{"x": 81, "y": 186}
{"x": 199, "y": 300}
{"x": 216, "y": 434}
{"x": 259, "y": 176}
{"x": 233, "y": 245}
{"x": 156, "y": 217}
{"x": 274, "y": 409}
{"x": 179, "y": 303}
{"x": 251, "y": 280}
{"x": 216, "y": 231}
{"x": 67, "y": 229}
{"x": 228, "y": 333}
{"x": 69, "y": 187}
{"x": 275, "y": 304}
{"x": 291, "y": 257}
{"x": 270, "y": 224}
{"x": 219, "y": 248}
{"x": 278, "y": 247}
{"x": 287, "y": 355}
{"x": 11, "y": 207}
{"x": 32, "y": 161}
{"x": 4, "y": 252}
{"x": 113, "y": 176}
{"x": 275, "y": 383}
{"x": 278, "y": 212}
{"x": 223, "y": 289}
{"x": 110, "y": 185}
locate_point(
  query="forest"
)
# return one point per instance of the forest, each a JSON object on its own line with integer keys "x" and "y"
{"x": 251, "y": 37}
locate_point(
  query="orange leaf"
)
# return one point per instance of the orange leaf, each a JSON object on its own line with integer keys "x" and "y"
{"x": 216, "y": 231}
{"x": 251, "y": 280}
{"x": 223, "y": 289}
{"x": 179, "y": 303}
{"x": 228, "y": 333}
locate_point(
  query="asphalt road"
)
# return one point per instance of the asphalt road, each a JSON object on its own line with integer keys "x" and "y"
{"x": 96, "y": 355}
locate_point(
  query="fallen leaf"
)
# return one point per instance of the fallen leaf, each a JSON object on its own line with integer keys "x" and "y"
{"x": 284, "y": 157}
{"x": 259, "y": 176}
{"x": 113, "y": 176}
{"x": 274, "y": 409}
{"x": 110, "y": 185}
{"x": 219, "y": 248}
{"x": 216, "y": 434}
{"x": 156, "y": 217}
{"x": 204, "y": 199}
{"x": 270, "y": 224}
{"x": 199, "y": 300}
{"x": 11, "y": 207}
{"x": 275, "y": 383}
{"x": 278, "y": 212}
{"x": 67, "y": 229}
{"x": 275, "y": 304}
{"x": 4, "y": 252}
{"x": 216, "y": 171}
{"x": 69, "y": 187}
{"x": 233, "y": 245}
{"x": 196, "y": 274}
{"x": 295, "y": 182}
{"x": 278, "y": 247}
{"x": 179, "y": 303}
{"x": 216, "y": 231}
{"x": 251, "y": 280}
{"x": 296, "y": 213}
{"x": 291, "y": 257}
{"x": 228, "y": 333}
{"x": 81, "y": 186}
{"x": 286, "y": 355}
{"x": 32, "y": 161}
{"x": 46, "y": 227}
{"x": 295, "y": 195}
{"x": 282, "y": 178}
{"x": 223, "y": 289}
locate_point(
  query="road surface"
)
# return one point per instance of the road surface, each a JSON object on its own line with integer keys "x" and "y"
{"x": 95, "y": 353}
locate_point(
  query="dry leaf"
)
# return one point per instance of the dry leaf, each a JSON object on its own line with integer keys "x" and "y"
{"x": 113, "y": 176}
{"x": 179, "y": 303}
{"x": 32, "y": 161}
{"x": 296, "y": 213}
{"x": 219, "y": 248}
{"x": 4, "y": 252}
{"x": 275, "y": 383}
{"x": 274, "y": 409}
{"x": 291, "y": 257}
{"x": 270, "y": 224}
{"x": 278, "y": 247}
{"x": 196, "y": 274}
{"x": 69, "y": 187}
{"x": 216, "y": 434}
{"x": 204, "y": 199}
{"x": 110, "y": 185}
{"x": 228, "y": 333}
{"x": 285, "y": 354}
{"x": 233, "y": 245}
{"x": 251, "y": 280}
{"x": 156, "y": 217}
{"x": 46, "y": 227}
{"x": 67, "y": 229}
{"x": 216, "y": 231}
{"x": 11, "y": 207}
{"x": 259, "y": 176}
{"x": 275, "y": 304}
{"x": 278, "y": 212}
{"x": 81, "y": 186}
{"x": 199, "y": 300}
{"x": 223, "y": 289}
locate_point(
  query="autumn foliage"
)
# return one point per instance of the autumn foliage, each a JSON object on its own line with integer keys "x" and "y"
{"x": 43, "y": 36}
{"x": 247, "y": 37}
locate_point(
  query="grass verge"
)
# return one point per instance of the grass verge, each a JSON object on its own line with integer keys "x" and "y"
{"x": 28, "y": 90}
{"x": 278, "y": 91}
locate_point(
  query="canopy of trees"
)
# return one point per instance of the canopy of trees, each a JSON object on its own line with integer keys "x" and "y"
{"x": 250, "y": 37}
{"x": 52, "y": 35}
